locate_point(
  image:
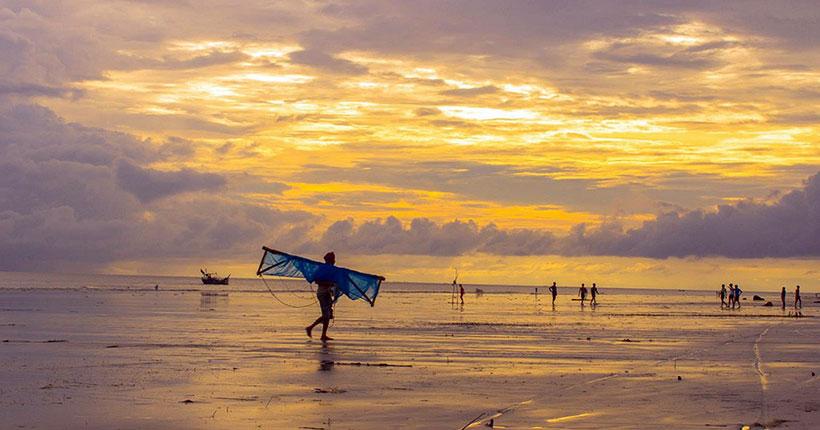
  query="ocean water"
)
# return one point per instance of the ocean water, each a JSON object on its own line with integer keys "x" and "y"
{"x": 102, "y": 351}
{"x": 73, "y": 281}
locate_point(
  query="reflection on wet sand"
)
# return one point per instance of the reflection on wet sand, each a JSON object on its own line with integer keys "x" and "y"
{"x": 326, "y": 358}
{"x": 213, "y": 301}
{"x": 244, "y": 361}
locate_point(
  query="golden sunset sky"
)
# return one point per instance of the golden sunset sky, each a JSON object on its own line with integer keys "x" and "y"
{"x": 636, "y": 143}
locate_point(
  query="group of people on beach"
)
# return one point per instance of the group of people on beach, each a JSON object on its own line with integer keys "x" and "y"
{"x": 730, "y": 299}
{"x": 582, "y": 293}
{"x": 798, "y": 302}
{"x": 734, "y": 293}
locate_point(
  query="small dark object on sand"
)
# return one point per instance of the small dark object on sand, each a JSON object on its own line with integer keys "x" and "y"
{"x": 187, "y": 401}
{"x": 758, "y": 298}
{"x": 329, "y": 390}
{"x": 812, "y": 373}
{"x": 679, "y": 378}
{"x": 768, "y": 304}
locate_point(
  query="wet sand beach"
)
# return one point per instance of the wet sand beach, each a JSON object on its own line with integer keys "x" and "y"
{"x": 175, "y": 358}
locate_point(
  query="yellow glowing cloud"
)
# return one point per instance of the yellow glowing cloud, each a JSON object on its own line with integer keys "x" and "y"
{"x": 647, "y": 119}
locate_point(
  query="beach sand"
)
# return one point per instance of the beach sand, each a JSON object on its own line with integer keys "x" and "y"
{"x": 102, "y": 359}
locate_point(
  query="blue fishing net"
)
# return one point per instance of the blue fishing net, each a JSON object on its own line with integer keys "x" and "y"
{"x": 353, "y": 284}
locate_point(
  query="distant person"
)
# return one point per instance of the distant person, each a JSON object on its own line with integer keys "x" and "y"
{"x": 554, "y": 291}
{"x": 324, "y": 294}
{"x": 783, "y": 298}
{"x": 723, "y": 296}
{"x": 798, "y": 302}
{"x": 738, "y": 291}
{"x": 582, "y": 292}
{"x": 731, "y": 303}
{"x": 594, "y": 292}
{"x": 461, "y": 293}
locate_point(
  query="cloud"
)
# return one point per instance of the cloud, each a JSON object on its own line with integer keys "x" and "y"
{"x": 152, "y": 67}
{"x": 425, "y": 111}
{"x": 213, "y": 58}
{"x": 37, "y": 90}
{"x": 39, "y": 53}
{"x": 471, "y": 92}
{"x": 512, "y": 184}
{"x": 479, "y": 27}
{"x": 79, "y": 198}
{"x": 424, "y": 237}
{"x": 321, "y": 60}
{"x": 789, "y": 227}
{"x": 149, "y": 184}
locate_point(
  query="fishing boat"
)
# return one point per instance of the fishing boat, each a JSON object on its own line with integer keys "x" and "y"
{"x": 209, "y": 278}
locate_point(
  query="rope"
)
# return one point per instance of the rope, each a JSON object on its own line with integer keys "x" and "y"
{"x": 280, "y": 300}
{"x": 315, "y": 301}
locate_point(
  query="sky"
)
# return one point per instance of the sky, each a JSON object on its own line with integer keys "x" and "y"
{"x": 636, "y": 143}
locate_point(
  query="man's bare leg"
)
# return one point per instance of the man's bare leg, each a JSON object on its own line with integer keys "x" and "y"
{"x": 325, "y": 337}
{"x": 309, "y": 329}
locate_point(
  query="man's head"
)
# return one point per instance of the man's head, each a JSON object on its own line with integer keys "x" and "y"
{"x": 330, "y": 258}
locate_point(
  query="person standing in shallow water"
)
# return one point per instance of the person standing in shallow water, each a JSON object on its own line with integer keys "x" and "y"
{"x": 594, "y": 292}
{"x": 722, "y": 296}
{"x": 731, "y": 303}
{"x": 783, "y": 298}
{"x": 737, "y": 296}
{"x": 798, "y": 302}
{"x": 324, "y": 294}
{"x": 461, "y": 293}
{"x": 554, "y": 291}
{"x": 582, "y": 293}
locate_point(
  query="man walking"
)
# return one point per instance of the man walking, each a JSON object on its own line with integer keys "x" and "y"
{"x": 325, "y": 296}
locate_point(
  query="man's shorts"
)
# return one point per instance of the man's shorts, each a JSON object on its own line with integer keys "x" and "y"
{"x": 326, "y": 303}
